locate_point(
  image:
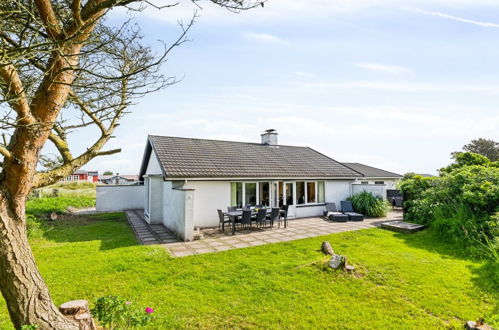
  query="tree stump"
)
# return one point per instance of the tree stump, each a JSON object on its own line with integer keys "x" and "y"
{"x": 327, "y": 249}
{"x": 478, "y": 325}
{"x": 78, "y": 311}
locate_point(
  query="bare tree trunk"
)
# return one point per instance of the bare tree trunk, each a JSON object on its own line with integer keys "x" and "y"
{"x": 21, "y": 284}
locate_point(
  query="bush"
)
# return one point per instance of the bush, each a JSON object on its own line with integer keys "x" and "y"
{"x": 460, "y": 204}
{"x": 116, "y": 313}
{"x": 369, "y": 205}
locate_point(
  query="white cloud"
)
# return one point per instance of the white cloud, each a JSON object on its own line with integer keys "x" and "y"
{"x": 303, "y": 74}
{"x": 455, "y": 18}
{"x": 393, "y": 69}
{"x": 404, "y": 86}
{"x": 265, "y": 37}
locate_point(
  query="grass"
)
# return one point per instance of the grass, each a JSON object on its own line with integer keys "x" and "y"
{"x": 70, "y": 189}
{"x": 404, "y": 282}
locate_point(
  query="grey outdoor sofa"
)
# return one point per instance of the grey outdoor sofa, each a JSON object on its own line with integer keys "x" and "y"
{"x": 347, "y": 209}
{"x": 332, "y": 213}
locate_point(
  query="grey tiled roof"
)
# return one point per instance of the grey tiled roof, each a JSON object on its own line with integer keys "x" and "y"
{"x": 369, "y": 171}
{"x": 200, "y": 158}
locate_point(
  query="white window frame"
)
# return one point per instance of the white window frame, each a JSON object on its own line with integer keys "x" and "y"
{"x": 316, "y": 189}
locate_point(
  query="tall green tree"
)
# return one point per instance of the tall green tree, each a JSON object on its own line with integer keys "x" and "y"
{"x": 484, "y": 147}
{"x": 60, "y": 60}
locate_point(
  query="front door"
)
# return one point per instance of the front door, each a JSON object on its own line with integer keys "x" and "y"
{"x": 289, "y": 192}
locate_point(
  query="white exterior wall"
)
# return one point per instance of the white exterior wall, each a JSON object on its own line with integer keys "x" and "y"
{"x": 178, "y": 207}
{"x": 209, "y": 196}
{"x": 337, "y": 191}
{"x": 375, "y": 189}
{"x": 119, "y": 198}
{"x": 153, "y": 167}
{"x": 389, "y": 183}
{"x": 155, "y": 213}
{"x": 309, "y": 211}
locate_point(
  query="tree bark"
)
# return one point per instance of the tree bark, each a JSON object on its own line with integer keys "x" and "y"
{"x": 21, "y": 284}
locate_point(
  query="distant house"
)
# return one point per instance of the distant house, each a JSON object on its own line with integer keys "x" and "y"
{"x": 118, "y": 179}
{"x": 426, "y": 175}
{"x": 373, "y": 175}
{"x": 82, "y": 176}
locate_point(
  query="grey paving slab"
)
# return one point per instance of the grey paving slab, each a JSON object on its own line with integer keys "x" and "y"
{"x": 217, "y": 241}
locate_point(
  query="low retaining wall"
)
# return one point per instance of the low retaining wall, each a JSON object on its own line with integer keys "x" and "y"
{"x": 178, "y": 212}
{"x": 112, "y": 198}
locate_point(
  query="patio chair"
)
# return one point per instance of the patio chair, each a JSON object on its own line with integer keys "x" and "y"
{"x": 223, "y": 219}
{"x": 347, "y": 208}
{"x": 231, "y": 208}
{"x": 258, "y": 206}
{"x": 274, "y": 215}
{"x": 246, "y": 218}
{"x": 283, "y": 215}
{"x": 398, "y": 202}
{"x": 332, "y": 213}
{"x": 246, "y": 207}
{"x": 261, "y": 217}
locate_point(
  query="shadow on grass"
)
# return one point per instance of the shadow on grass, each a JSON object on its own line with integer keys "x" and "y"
{"x": 486, "y": 272}
{"x": 111, "y": 229}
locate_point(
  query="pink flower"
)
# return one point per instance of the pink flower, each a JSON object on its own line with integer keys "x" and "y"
{"x": 128, "y": 303}
{"x": 149, "y": 310}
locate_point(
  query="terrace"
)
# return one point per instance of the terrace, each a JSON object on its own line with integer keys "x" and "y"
{"x": 214, "y": 240}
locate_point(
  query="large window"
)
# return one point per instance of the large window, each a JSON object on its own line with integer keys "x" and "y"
{"x": 321, "y": 194}
{"x": 264, "y": 192}
{"x": 236, "y": 194}
{"x": 311, "y": 192}
{"x": 250, "y": 193}
{"x": 300, "y": 193}
{"x": 289, "y": 194}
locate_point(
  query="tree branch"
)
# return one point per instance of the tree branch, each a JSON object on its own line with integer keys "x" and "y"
{"x": 15, "y": 92}
{"x": 62, "y": 147}
{"x": 5, "y": 152}
{"x": 49, "y": 18}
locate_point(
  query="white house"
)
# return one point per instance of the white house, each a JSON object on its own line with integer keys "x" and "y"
{"x": 373, "y": 175}
{"x": 186, "y": 180}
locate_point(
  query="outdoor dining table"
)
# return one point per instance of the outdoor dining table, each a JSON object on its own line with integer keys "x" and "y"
{"x": 233, "y": 215}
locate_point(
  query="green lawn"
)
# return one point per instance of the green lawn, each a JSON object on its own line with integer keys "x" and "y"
{"x": 405, "y": 281}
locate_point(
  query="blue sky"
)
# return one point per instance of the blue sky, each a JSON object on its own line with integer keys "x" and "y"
{"x": 393, "y": 84}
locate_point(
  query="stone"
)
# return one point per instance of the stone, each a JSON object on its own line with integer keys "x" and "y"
{"x": 53, "y": 216}
{"x": 327, "y": 249}
{"x": 349, "y": 268}
{"x": 336, "y": 261}
{"x": 78, "y": 311}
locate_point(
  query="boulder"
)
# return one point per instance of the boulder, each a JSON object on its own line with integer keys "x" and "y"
{"x": 337, "y": 261}
{"x": 327, "y": 249}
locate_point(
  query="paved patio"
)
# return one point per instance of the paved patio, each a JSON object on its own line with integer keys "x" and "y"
{"x": 215, "y": 240}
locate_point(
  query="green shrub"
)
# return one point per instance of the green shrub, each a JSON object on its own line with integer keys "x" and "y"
{"x": 369, "y": 205}
{"x": 116, "y": 313}
{"x": 460, "y": 204}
